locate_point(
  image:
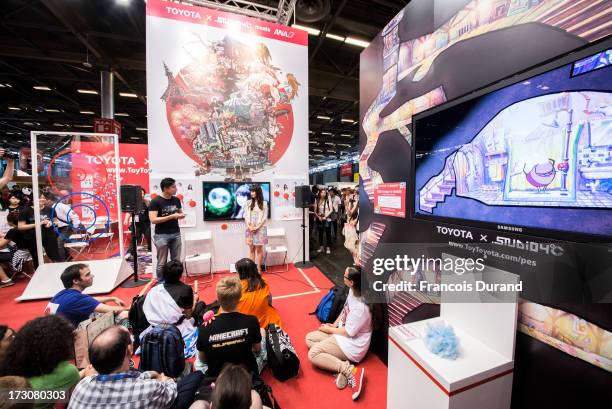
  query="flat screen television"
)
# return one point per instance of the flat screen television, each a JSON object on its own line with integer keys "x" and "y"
{"x": 227, "y": 200}
{"x": 533, "y": 152}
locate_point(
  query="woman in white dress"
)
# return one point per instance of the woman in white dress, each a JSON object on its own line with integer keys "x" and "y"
{"x": 255, "y": 216}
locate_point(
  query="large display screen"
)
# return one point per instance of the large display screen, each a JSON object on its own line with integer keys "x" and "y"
{"x": 227, "y": 200}
{"x": 534, "y": 151}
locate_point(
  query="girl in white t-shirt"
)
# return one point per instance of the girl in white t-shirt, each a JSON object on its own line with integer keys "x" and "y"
{"x": 334, "y": 346}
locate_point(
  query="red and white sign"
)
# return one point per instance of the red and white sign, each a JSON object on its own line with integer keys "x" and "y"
{"x": 390, "y": 199}
{"x": 346, "y": 169}
{"x": 106, "y": 125}
{"x": 227, "y": 21}
{"x": 93, "y": 172}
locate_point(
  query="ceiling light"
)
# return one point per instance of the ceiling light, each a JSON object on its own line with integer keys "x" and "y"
{"x": 355, "y": 123}
{"x": 141, "y": 129}
{"x": 313, "y": 142}
{"x": 128, "y": 95}
{"x": 326, "y": 133}
{"x": 31, "y": 123}
{"x": 357, "y": 42}
{"x": 344, "y": 144}
{"x": 309, "y": 131}
{"x": 14, "y": 108}
{"x": 317, "y": 150}
{"x": 319, "y": 156}
{"x": 58, "y": 124}
{"x": 41, "y": 88}
{"x": 52, "y": 110}
{"x": 334, "y": 37}
{"x": 87, "y": 91}
{"x": 123, "y": 2}
{"x": 346, "y": 120}
{"x": 346, "y": 135}
{"x": 87, "y": 112}
{"x": 122, "y": 114}
{"x": 135, "y": 138}
{"x": 324, "y": 117}
{"x": 83, "y": 126}
{"x": 331, "y": 150}
{"x": 309, "y": 30}
{"x": 330, "y": 143}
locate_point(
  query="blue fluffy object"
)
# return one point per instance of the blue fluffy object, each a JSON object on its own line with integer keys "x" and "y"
{"x": 441, "y": 340}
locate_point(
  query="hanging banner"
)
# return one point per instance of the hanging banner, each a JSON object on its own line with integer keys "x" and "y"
{"x": 227, "y": 93}
{"x": 346, "y": 169}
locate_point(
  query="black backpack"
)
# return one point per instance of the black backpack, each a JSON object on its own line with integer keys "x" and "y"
{"x": 163, "y": 350}
{"x": 282, "y": 358}
{"x": 138, "y": 319}
{"x": 265, "y": 393}
{"x": 331, "y": 304}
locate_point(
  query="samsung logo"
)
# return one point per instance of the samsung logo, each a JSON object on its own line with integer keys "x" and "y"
{"x": 509, "y": 228}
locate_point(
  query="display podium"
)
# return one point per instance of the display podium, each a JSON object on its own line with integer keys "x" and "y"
{"x": 482, "y": 375}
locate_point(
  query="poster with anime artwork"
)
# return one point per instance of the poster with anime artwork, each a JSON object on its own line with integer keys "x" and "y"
{"x": 185, "y": 192}
{"x": 227, "y": 94}
{"x": 283, "y": 198}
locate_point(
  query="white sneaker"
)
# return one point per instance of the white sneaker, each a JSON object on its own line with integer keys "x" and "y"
{"x": 320, "y": 250}
{"x": 328, "y": 251}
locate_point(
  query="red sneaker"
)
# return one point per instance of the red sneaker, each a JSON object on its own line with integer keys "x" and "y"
{"x": 356, "y": 382}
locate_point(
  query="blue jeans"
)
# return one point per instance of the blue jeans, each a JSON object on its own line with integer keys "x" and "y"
{"x": 163, "y": 243}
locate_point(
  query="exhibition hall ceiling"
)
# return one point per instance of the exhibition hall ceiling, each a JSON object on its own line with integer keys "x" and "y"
{"x": 52, "y": 52}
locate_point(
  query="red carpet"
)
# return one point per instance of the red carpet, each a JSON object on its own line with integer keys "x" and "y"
{"x": 312, "y": 389}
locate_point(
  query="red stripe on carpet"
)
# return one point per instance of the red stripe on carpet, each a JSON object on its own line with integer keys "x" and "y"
{"x": 312, "y": 388}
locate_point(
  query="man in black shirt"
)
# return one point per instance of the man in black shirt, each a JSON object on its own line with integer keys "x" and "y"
{"x": 232, "y": 337}
{"x": 165, "y": 212}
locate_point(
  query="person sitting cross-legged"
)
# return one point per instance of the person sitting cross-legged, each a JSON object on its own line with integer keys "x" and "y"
{"x": 173, "y": 302}
{"x": 334, "y": 346}
{"x": 231, "y": 337}
{"x": 256, "y": 298}
{"x": 75, "y": 306}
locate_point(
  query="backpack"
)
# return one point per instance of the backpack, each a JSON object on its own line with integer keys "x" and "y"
{"x": 162, "y": 350}
{"x": 265, "y": 393}
{"x": 282, "y": 358}
{"x": 331, "y": 304}
{"x": 138, "y": 319}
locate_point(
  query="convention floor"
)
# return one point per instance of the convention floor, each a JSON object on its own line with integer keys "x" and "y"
{"x": 296, "y": 293}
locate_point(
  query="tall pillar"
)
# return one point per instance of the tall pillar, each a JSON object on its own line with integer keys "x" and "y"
{"x": 107, "y": 94}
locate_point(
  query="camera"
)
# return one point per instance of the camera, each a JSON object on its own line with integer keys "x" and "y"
{"x": 9, "y": 155}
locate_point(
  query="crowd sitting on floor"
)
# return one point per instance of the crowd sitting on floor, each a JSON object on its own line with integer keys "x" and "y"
{"x": 222, "y": 356}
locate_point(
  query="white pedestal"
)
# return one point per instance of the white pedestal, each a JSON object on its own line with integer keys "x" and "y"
{"x": 480, "y": 378}
{"x": 46, "y": 282}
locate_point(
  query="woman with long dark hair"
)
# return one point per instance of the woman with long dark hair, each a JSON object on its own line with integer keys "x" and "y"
{"x": 255, "y": 216}
{"x": 323, "y": 211}
{"x": 334, "y": 346}
{"x": 256, "y": 299}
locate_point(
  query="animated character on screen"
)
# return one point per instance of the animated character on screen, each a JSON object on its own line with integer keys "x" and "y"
{"x": 550, "y": 150}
